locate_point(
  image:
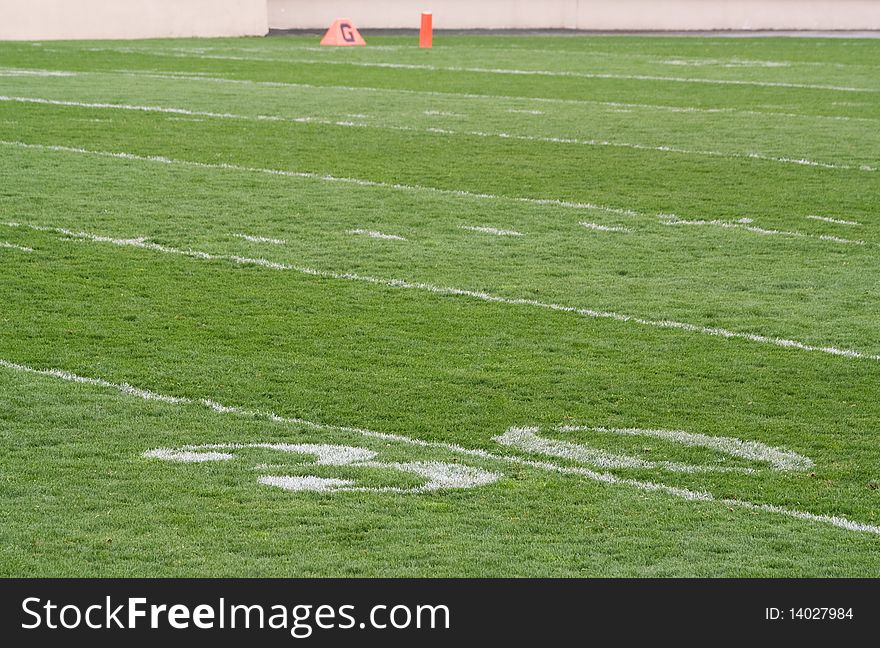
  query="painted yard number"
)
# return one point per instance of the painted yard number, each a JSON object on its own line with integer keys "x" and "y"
{"x": 444, "y": 476}
{"x": 437, "y": 475}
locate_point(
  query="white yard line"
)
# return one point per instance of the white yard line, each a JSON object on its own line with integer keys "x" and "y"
{"x": 724, "y": 63}
{"x": 137, "y": 108}
{"x": 837, "y": 239}
{"x": 193, "y": 76}
{"x": 376, "y": 235}
{"x": 208, "y": 78}
{"x": 441, "y": 113}
{"x": 600, "y": 477}
{"x": 490, "y": 230}
{"x": 666, "y": 149}
{"x": 261, "y": 239}
{"x": 12, "y": 246}
{"x": 665, "y": 219}
{"x": 551, "y": 202}
{"x": 836, "y": 221}
{"x": 17, "y": 72}
{"x": 485, "y": 97}
{"x": 603, "y": 228}
{"x": 142, "y": 243}
{"x": 491, "y": 70}
{"x": 561, "y": 53}
{"x": 592, "y": 75}
{"x": 744, "y": 225}
{"x": 447, "y": 132}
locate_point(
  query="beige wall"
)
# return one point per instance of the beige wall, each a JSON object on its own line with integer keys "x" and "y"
{"x": 729, "y": 14}
{"x": 448, "y": 14}
{"x": 582, "y": 14}
{"x": 70, "y": 19}
{"x": 63, "y": 19}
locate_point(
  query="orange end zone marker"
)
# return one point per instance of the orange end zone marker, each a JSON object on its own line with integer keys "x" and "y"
{"x": 426, "y": 33}
{"x": 343, "y": 33}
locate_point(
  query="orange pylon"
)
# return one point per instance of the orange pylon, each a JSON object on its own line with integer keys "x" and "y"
{"x": 426, "y": 33}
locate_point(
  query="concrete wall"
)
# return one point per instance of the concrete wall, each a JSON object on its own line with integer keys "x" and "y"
{"x": 71, "y": 19}
{"x": 582, "y": 14}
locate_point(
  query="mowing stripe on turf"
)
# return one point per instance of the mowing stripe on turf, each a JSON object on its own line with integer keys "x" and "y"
{"x": 589, "y": 75}
{"x": 223, "y": 166}
{"x": 483, "y": 70}
{"x": 445, "y": 131}
{"x": 562, "y": 53}
{"x": 190, "y": 76}
{"x": 643, "y": 147}
{"x": 559, "y": 52}
{"x": 205, "y": 77}
{"x": 600, "y": 477}
{"x": 143, "y": 243}
{"x": 665, "y": 218}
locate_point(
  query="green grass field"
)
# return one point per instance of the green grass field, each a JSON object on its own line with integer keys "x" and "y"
{"x": 584, "y": 306}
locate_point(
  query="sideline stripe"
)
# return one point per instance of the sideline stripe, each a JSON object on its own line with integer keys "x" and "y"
{"x": 445, "y": 131}
{"x": 456, "y": 292}
{"x": 223, "y": 166}
{"x": 604, "y": 478}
